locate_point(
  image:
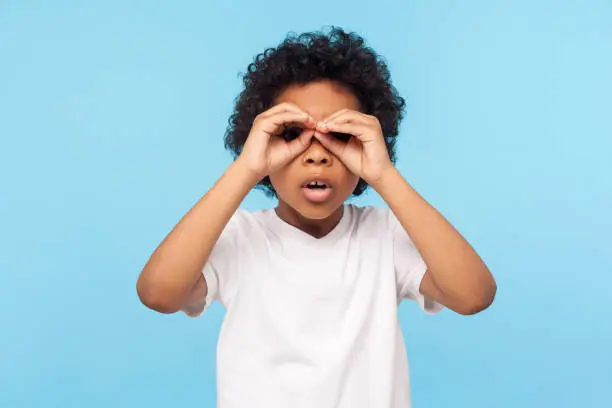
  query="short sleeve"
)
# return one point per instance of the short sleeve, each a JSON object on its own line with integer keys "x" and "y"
{"x": 221, "y": 271}
{"x": 409, "y": 268}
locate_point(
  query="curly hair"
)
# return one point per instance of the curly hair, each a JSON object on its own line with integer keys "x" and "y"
{"x": 338, "y": 56}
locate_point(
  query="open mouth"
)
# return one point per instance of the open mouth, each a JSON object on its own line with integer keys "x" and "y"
{"x": 317, "y": 191}
{"x": 316, "y": 185}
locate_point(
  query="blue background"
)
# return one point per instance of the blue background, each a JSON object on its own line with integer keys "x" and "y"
{"x": 111, "y": 123}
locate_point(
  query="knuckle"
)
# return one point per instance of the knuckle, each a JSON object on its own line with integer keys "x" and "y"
{"x": 372, "y": 119}
{"x": 287, "y": 105}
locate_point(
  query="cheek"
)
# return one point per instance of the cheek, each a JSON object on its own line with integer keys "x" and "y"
{"x": 274, "y": 179}
{"x": 349, "y": 178}
{"x": 350, "y": 181}
{"x": 354, "y": 181}
{"x": 280, "y": 179}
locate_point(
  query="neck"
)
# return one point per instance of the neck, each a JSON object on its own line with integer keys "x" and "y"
{"x": 315, "y": 227}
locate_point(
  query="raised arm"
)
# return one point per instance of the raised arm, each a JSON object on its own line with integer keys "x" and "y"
{"x": 167, "y": 280}
{"x": 172, "y": 274}
{"x": 456, "y": 277}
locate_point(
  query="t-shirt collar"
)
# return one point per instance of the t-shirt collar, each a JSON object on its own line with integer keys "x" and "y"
{"x": 284, "y": 228}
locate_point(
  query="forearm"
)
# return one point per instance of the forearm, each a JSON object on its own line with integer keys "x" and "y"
{"x": 176, "y": 265}
{"x": 454, "y": 267}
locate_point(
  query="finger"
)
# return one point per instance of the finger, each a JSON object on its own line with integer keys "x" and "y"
{"x": 336, "y": 115}
{"x": 282, "y": 107}
{"x": 354, "y": 129}
{"x": 352, "y": 122}
{"x": 299, "y": 145}
{"x": 348, "y": 115}
{"x": 273, "y": 124}
{"x": 351, "y": 116}
{"x": 330, "y": 143}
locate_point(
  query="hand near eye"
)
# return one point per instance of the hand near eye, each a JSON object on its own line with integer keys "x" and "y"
{"x": 366, "y": 153}
{"x": 263, "y": 151}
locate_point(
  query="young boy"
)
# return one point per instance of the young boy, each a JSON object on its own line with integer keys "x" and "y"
{"x": 312, "y": 286}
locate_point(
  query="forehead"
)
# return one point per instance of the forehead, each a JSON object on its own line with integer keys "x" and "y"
{"x": 320, "y": 99}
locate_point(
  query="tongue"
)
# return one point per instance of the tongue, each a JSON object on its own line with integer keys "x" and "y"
{"x": 316, "y": 195}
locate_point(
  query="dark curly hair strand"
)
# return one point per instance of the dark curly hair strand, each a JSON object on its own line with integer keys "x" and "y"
{"x": 338, "y": 56}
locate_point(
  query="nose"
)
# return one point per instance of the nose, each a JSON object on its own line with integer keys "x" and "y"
{"x": 317, "y": 155}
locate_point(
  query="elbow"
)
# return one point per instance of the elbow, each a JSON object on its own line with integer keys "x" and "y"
{"x": 155, "y": 297}
{"x": 479, "y": 302}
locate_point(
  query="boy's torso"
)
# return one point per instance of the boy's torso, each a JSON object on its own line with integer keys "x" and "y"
{"x": 313, "y": 322}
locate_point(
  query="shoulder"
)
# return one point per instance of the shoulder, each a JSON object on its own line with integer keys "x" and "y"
{"x": 242, "y": 223}
{"x": 242, "y": 218}
{"x": 369, "y": 212}
{"x": 371, "y": 217}
{"x": 245, "y": 217}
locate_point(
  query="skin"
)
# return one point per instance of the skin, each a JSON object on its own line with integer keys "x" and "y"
{"x": 320, "y": 100}
{"x": 456, "y": 276}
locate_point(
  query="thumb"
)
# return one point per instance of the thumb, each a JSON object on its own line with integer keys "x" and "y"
{"x": 300, "y": 144}
{"x": 330, "y": 143}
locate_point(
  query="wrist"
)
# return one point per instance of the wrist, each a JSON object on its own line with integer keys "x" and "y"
{"x": 245, "y": 173}
{"x": 386, "y": 180}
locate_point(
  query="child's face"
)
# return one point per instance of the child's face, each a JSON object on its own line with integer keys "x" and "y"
{"x": 320, "y": 99}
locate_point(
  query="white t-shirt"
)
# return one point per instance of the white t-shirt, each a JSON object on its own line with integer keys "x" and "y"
{"x": 312, "y": 322}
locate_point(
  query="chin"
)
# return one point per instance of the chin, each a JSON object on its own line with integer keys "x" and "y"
{"x": 315, "y": 211}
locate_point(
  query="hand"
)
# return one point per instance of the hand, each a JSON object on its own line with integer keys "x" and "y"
{"x": 365, "y": 154}
{"x": 264, "y": 152}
